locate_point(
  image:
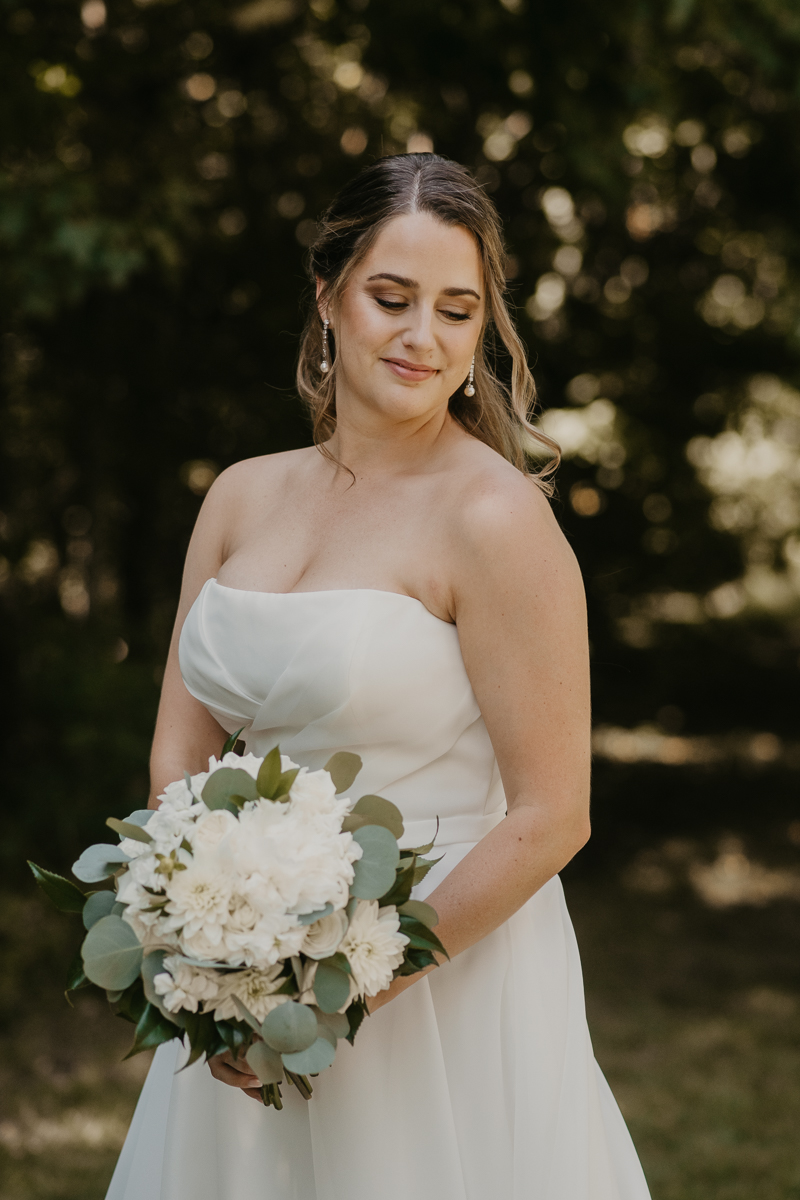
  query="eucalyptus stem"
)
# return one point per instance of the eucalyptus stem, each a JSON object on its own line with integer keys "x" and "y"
{"x": 271, "y": 1095}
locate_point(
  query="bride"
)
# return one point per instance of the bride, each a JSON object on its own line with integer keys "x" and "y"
{"x": 402, "y": 590}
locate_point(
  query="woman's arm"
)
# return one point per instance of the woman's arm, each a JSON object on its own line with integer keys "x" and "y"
{"x": 186, "y": 734}
{"x": 521, "y": 615}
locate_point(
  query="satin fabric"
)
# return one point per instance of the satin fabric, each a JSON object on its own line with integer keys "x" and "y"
{"x": 480, "y": 1080}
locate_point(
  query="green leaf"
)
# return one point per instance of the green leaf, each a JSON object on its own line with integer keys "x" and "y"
{"x": 63, "y": 892}
{"x": 310, "y": 918}
{"x": 152, "y": 965}
{"x": 232, "y": 1034}
{"x": 230, "y": 742}
{"x": 227, "y": 786}
{"x": 151, "y": 1030}
{"x": 265, "y": 1063}
{"x": 339, "y": 961}
{"x": 269, "y": 774}
{"x": 247, "y": 1016}
{"x": 203, "y": 1037}
{"x": 76, "y": 977}
{"x": 139, "y": 816}
{"x": 378, "y": 811}
{"x": 420, "y": 936}
{"x": 374, "y": 873}
{"x": 98, "y": 905}
{"x": 289, "y": 1027}
{"x": 421, "y": 912}
{"x": 285, "y": 783}
{"x": 400, "y": 892}
{"x": 126, "y": 829}
{"x": 343, "y": 768}
{"x": 132, "y": 1002}
{"x": 335, "y": 1022}
{"x": 98, "y": 862}
{"x": 319, "y": 1055}
{"x": 355, "y": 1015}
{"x": 112, "y": 954}
{"x": 331, "y": 986}
{"x": 114, "y": 997}
{"x": 423, "y": 866}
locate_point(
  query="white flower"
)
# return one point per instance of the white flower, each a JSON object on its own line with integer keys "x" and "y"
{"x": 211, "y": 828}
{"x": 254, "y": 988}
{"x": 185, "y": 986}
{"x": 199, "y": 895}
{"x": 323, "y": 936}
{"x": 314, "y": 790}
{"x": 373, "y": 946}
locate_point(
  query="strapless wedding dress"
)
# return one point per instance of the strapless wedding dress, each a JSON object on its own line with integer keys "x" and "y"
{"x": 479, "y": 1082}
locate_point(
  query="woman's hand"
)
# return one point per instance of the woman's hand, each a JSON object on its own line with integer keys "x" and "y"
{"x": 236, "y": 1073}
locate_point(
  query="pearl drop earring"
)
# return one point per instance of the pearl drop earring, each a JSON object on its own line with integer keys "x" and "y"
{"x": 469, "y": 390}
{"x": 324, "y": 366}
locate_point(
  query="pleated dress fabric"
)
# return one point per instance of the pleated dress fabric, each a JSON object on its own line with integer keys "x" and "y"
{"x": 477, "y": 1083}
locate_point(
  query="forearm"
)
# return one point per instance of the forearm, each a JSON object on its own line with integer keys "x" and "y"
{"x": 496, "y": 878}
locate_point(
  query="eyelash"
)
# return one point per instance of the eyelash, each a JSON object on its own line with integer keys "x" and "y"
{"x": 397, "y": 305}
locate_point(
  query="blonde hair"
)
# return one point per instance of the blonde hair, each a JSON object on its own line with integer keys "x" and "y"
{"x": 428, "y": 183}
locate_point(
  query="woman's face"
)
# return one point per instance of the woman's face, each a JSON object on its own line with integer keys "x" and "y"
{"x": 408, "y": 322}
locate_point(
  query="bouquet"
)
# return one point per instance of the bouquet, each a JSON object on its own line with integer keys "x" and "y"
{"x": 255, "y": 911}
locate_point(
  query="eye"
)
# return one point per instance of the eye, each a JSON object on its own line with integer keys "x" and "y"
{"x": 457, "y": 316}
{"x": 392, "y": 305}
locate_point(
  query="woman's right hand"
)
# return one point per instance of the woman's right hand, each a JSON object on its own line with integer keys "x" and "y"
{"x": 236, "y": 1073}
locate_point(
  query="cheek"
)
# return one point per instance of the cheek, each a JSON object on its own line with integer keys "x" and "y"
{"x": 364, "y": 329}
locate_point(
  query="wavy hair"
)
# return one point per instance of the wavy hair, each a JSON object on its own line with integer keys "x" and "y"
{"x": 497, "y": 414}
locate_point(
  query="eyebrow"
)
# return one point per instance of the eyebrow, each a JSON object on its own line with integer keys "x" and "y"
{"x": 412, "y": 283}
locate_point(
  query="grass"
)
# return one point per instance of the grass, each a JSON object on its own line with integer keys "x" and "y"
{"x": 694, "y": 1012}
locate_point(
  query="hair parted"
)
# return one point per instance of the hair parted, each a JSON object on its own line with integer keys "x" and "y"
{"x": 429, "y": 183}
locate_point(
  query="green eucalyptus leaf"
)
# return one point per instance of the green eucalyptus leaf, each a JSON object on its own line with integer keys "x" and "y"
{"x": 265, "y": 1062}
{"x": 152, "y": 965}
{"x": 420, "y": 911}
{"x": 98, "y": 862}
{"x": 310, "y": 918}
{"x": 374, "y": 873}
{"x": 127, "y": 829}
{"x": 343, "y": 768}
{"x": 98, "y": 905}
{"x": 379, "y": 811}
{"x": 289, "y": 1027}
{"x": 63, "y": 892}
{"x": 112, "y": 954}
{"x": 114, "y": 997}
{"x": 331, "y": 987}
{"x": 139, "y": 816}
{"x": 319, "y": 1055}
{"x": 226, "y": 786}
{"x": 335, "y": 1022}
{"x": 269, "y": 774}
{"x": 401, "y": 889}
{"x": 230, "y": 742}
{"x": 286, "y": 780}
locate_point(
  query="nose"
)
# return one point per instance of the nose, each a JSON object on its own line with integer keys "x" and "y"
{"x": 418, "y": 334}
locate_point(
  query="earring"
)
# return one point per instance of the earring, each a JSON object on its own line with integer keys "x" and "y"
{"x": 469, "y": 390}
{"x": 324, "y": 366}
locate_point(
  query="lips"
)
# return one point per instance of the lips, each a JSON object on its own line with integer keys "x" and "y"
{"x": 413, "y": 372}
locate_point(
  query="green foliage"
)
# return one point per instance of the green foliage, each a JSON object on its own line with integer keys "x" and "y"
{"x": 319, "y": 1055}
{"x": 374, "y": 872}
{"x": 98, "y": 862}
{"x": 343, "y": 768}
{"x": 99, "y": 904}
{"x": 332, "y": 983}
{"x": 64, "y": 894}
{"x": 230, "y": 788}
{"x": 265, "y": 1062}
{"x": 289, "y": 1027}
{"x": 375, "y": 810}
{"x": 112, "y": 954}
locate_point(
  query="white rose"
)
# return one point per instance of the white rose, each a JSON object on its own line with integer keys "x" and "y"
{"x": 314, "y": 790}
{"x": 373, "y": 946}
{"x": 212, "y": 827}
{"x": 323, "y": 936}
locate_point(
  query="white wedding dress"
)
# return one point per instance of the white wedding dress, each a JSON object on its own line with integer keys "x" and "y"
{"x": 479, "y": 1082}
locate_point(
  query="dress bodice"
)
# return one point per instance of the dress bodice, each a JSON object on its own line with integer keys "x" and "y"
{"x": 369, "y": 671}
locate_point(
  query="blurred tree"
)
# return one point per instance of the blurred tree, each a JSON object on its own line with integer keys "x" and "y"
{"x": 161, "y": 166}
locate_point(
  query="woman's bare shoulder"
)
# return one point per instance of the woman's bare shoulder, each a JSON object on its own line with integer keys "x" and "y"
{"x": 257, "y": 476}
{"x": 503, "y": 524}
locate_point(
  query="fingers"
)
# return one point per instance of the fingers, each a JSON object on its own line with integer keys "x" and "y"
{"x": 235, "y": 1073}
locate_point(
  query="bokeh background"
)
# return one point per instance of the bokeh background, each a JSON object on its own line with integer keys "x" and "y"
{"x": 162, "y": 163}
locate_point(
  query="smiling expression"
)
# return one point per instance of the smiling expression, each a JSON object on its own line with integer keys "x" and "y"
{"x": 409, "y": 319}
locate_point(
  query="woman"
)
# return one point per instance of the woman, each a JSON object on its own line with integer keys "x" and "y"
{"x": 406, "y": 594}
